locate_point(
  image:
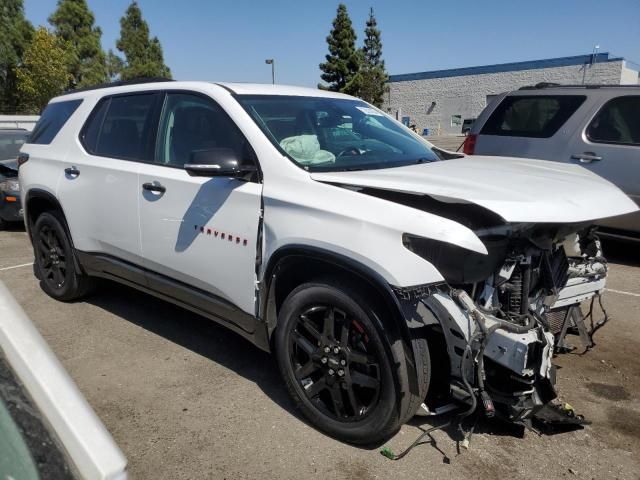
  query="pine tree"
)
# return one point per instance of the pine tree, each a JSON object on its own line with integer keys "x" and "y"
{"x": 74, "y": 23}
{"x": 15, "y": 34}
{"x": 372, "y": 76}
{"x": 343, "y": 60}
{"x": 115, "y": 64}
{"x": 143, "y": 55}
{"x": 43, "y": 73}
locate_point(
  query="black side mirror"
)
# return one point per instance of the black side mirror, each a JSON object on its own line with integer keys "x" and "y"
{"x": 216, "y": 162}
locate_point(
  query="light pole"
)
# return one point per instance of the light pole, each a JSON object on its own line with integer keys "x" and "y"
{"x": 270, "y": 61}
{"x": 594, "y": 56}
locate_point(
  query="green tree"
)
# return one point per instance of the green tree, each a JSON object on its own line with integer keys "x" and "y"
{"x": 372, "y": 78}
{"x": 15, "y": 34}
{"x": 143, "y": 56}
{"x": 74, "y": 23}
{"x": 43, "y": 73}
{"x": 343, "y": 61}
{"x": 115, "y": 64}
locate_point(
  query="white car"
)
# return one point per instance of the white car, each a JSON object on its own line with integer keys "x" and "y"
{"x": 376, "y": 268}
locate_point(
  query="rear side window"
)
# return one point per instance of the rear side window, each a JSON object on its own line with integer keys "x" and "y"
{"x": 52, "y": 120}
{"x": 537, "y": 116}
{"x": 617, "y": 122}
{"x": 122, "y": 127}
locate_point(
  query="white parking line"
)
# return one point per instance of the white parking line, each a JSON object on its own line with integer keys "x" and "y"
{"x": 16, "y": 266}
{"x": 622, "y": 293}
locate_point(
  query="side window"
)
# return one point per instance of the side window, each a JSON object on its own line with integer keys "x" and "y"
{"x": 536, "y": 116}
{"x": 617, "y": 122}
{"x": 191, "y": 123}
{"x": 53, "y": 118}
{"x": 122, "y": 127}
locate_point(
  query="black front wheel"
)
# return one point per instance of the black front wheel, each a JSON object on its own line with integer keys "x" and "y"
{"x": 54, "y": 260}
{"x": 336, "y": 364}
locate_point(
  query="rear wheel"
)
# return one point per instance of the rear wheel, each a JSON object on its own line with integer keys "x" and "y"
{"x": 54, "y": 260}
{"x": 336, "y": 364}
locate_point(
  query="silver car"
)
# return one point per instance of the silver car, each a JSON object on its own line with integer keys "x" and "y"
{"x": 597, "y": 127}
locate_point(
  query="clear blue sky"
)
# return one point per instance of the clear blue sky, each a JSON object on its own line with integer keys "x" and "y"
{"x": 228, "y": 40}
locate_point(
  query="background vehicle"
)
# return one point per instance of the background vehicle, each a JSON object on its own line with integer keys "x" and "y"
{"x": 467, "y": 123}
{"x": 10, "y": 206}
{"x": 595, "y": 126}
{"x": 47, "y": 428}
{"x": 317, "y": 227}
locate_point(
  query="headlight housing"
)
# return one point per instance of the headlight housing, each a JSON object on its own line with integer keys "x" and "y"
{"x": 456, "y": 264}
{"x": 10, "y": 185}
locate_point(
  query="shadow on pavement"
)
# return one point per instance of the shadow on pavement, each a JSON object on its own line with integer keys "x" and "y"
{"x": 198, "y": 334}
{"x": 623, "y": 252}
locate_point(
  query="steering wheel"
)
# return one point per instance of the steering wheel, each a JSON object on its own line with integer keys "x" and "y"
{"x": 350, "y": 151}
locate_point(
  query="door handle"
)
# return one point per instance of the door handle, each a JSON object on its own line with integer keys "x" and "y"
{"x": 154, "y": 187}
{"x": 72, "y": 171}
{"x": 586, "y": 157}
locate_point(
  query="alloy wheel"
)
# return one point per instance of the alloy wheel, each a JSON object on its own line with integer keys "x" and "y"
{"x": 334, "y": 363}
{"x": 51, "y": 257}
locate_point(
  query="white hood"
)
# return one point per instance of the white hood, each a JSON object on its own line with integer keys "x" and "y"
{"x": 517, "y": 189}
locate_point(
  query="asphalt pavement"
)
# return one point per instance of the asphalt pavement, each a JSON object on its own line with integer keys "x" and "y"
{"x": 185, "y": 398}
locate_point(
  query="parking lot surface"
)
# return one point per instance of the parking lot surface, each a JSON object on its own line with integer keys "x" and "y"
{"x": 185, "y": 398}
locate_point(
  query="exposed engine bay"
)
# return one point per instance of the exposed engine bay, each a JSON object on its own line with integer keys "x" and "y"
{"x": 504, "y": 315}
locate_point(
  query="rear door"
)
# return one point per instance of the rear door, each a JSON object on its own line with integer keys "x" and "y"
{"x": 200, "y": 231}
{"x": 609, "y": 145}
{"x": 99, "y": 187}
{"x": 529, "y": 125}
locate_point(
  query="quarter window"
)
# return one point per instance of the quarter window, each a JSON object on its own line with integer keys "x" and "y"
{"x": 191, "y": 123}
{"x": 617, "y": 122}
{"x": 537, "y": 116}
{"x": 122, "y": 127}
{"x": 53, "y": 118}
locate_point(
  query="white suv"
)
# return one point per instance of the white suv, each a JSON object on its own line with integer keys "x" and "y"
{"x": 377, "y": 268}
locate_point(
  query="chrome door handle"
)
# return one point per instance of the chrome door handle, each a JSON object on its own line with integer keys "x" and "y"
{"x": 72, "y": 172}
{"x": 586, "y": 157}
{"x": 154, "y": 187}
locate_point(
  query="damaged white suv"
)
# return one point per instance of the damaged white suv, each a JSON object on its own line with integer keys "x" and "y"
{"x": 377, "y": 268}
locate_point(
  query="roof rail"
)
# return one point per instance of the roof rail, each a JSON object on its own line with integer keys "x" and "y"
{"x": 119, "y": 83}
{"x": 543, "y": 85}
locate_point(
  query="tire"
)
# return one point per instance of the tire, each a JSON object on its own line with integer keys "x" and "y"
{"x": 366, "y": 398}
{"x": 55, "y": 263}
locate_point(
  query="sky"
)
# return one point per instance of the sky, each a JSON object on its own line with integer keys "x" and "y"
{"x": 222, "y": 40}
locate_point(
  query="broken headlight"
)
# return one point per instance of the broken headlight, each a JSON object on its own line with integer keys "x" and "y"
{"x": 456, "y": 264}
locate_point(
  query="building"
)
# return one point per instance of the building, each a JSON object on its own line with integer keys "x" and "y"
{"x": 441, "y": 100}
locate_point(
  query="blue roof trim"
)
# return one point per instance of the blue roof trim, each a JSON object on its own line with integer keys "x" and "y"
{"x": 506, "y": 67}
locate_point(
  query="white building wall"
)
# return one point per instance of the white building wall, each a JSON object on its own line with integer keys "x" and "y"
{"x": 629, "y": 76}
{"x": 466, "y": 95}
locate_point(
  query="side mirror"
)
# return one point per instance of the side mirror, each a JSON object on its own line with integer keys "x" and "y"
{"x": 216, "y": 162}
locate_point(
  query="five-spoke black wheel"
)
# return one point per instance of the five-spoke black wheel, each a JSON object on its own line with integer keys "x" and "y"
{"x": 54, "y": 262}
{"x": 338, "y": 365}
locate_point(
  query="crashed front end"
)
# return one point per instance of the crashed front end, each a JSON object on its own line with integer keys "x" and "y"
{"x": 512, "y": 276}
{"x": 502, "y": 314}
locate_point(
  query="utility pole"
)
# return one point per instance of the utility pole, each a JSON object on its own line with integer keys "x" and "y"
{"x": 270, "y": 61}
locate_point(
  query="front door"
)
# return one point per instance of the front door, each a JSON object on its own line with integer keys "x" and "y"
{"x": 610, "y": 148}
{"x": 199, "y": 231}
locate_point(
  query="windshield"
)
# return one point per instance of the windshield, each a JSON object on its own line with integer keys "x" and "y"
{"x": 332, "y": 134}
